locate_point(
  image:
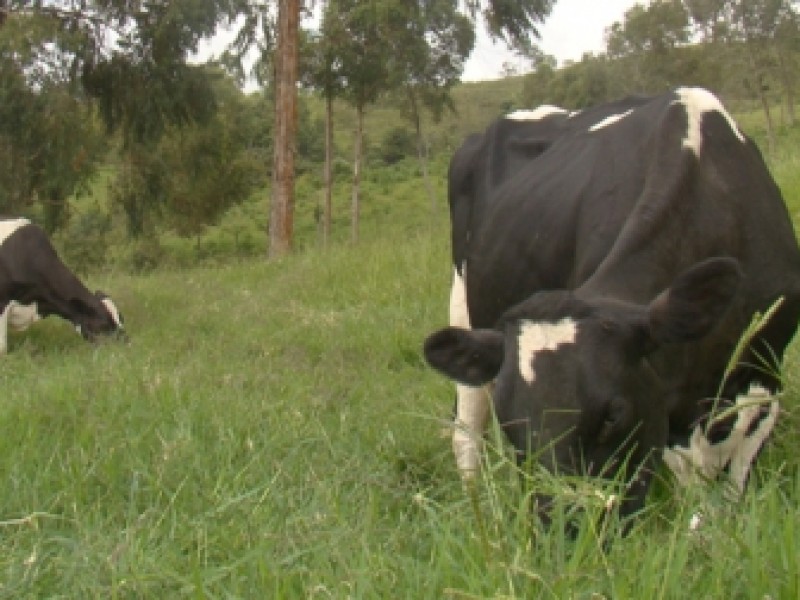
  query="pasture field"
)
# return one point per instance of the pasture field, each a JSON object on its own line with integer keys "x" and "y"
{"x": 271, "y": 431}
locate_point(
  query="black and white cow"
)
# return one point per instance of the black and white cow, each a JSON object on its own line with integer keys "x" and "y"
{"x": 606, "y": 264}
{"x": 34, "y": 283}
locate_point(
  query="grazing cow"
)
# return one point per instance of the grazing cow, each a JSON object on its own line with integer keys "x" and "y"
{"x": 606, "y": 262}
{"x": 34, "y": 283}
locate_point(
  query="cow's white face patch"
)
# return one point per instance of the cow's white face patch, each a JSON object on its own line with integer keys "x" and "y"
{"x": 610, "y": 120}
{"x": 697, "y": 102}
{"x": 702, "y": 460}
{"x": 7, "y": 227}
{"x": 537, "y": 337}
{"x": 536, "y": 114}
{"x": 112, "y": 309}
{"x": 21, "y": 316}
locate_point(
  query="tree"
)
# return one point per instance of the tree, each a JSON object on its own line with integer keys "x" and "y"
{"x": 787, "y": 38}
{"x": 429, "y": 42}
{"x": 761, "y": 36}
{"x": 215, "y": 165}
{"x": 128, "y": 60}
{"x": 516, "y": 21}
{"x": 363, "y": 66}
{"x": 281, "y": 222}
{"x": 646, "y": 41}
{"x": 322, "y": 72}
{"x": 49, "y": 142}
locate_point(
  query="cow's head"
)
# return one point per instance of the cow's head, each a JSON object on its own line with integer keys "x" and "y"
{"x": 98, "y": 317}
{"x": 574, "y": 383}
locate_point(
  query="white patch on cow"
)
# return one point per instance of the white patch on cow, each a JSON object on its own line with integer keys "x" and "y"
{"x": 22, "y": 316}
{"x": 536, "y": 114}
{"x": 113, "y": 311}
{"x": 698, "y": 102}
{"x": 704, "y": 461}
{"x": 742, "y": 460}
{"x": 610, "y": 120}
{"x": 9, "y": 226}
{"x": 537, "y": 337}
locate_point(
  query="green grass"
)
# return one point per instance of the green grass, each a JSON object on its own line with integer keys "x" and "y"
{"x": 271, "y": 431}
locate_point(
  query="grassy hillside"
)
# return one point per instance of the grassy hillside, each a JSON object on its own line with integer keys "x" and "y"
{"x": 271, "y": 431}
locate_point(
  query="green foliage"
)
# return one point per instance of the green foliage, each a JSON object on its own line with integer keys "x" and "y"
{"x": 49, "y": 142}
{"x": 140, "y": 188}
{"x": 398, "y": 143}
{"x": 84, "y": 242}
{"x": 429, "y": 43}
{"x": 210, "y": 171}
{"x": 744, "y": 53}
{"x": 156, "y": 96}
{"x": 272, "y": 431}
{"x": 140, "y": 255}
{"x": 514, "y": 20}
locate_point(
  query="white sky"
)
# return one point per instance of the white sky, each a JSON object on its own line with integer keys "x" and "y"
{"x": 573, "y": 27}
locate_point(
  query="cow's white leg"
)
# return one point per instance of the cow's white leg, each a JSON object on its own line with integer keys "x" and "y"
{"x": 4, "y": 328}
{"x": 472, "y": 412}
{"x": 472, "y": 403}
{"x": 742, "y": 458}
{"x": 701, "y": 460}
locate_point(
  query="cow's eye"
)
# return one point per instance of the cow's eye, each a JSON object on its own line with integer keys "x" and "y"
{"x": 606, "y": 429}
{"x": 613, "y": 419}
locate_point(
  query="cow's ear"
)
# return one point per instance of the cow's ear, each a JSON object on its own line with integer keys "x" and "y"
{"x": 693, "y": 305}
{"x": 472, "y": 357}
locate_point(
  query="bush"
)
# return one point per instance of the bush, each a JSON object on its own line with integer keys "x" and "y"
{"x": 398, "y": 143}
{"x": 142, "y": 255}
{"x": 83, "y": 243}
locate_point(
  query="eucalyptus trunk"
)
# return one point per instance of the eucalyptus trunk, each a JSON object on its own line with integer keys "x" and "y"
{"x": 281, "y": 220}
{"x": 355, "y": 207}
{"x": 327, "y": 209}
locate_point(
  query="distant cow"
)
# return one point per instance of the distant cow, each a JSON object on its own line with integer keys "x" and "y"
{"x": 606, "y": 262}
{"x": 34, "y": 283}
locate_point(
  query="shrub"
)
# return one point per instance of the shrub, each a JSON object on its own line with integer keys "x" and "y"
{"x": 398, "y": 143}
{"x": 83, "y": 243}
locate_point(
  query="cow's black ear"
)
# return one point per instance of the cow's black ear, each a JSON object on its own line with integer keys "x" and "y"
{"x": 693, "y": 305}
{"x": 472, "y": 357}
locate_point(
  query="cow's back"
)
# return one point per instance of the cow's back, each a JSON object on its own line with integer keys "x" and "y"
{"x": 570, "y": 199}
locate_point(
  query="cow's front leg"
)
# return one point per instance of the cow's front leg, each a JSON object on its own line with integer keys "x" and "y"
{"x": 472, "y": 403}
{"x": 4, "y": 328}
{"x": 472, "y": 413}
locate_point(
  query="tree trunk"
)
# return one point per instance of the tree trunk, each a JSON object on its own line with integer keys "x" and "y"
{"x": 761, "y": 90}
{"x": 328, "y": 207}
{"x": 768, "y": 115}
{"x": 282, "y": 209}
{"x": 787, "y": 77}
{"x": 422, "y": 155}
{"x": 355, "y": 207}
